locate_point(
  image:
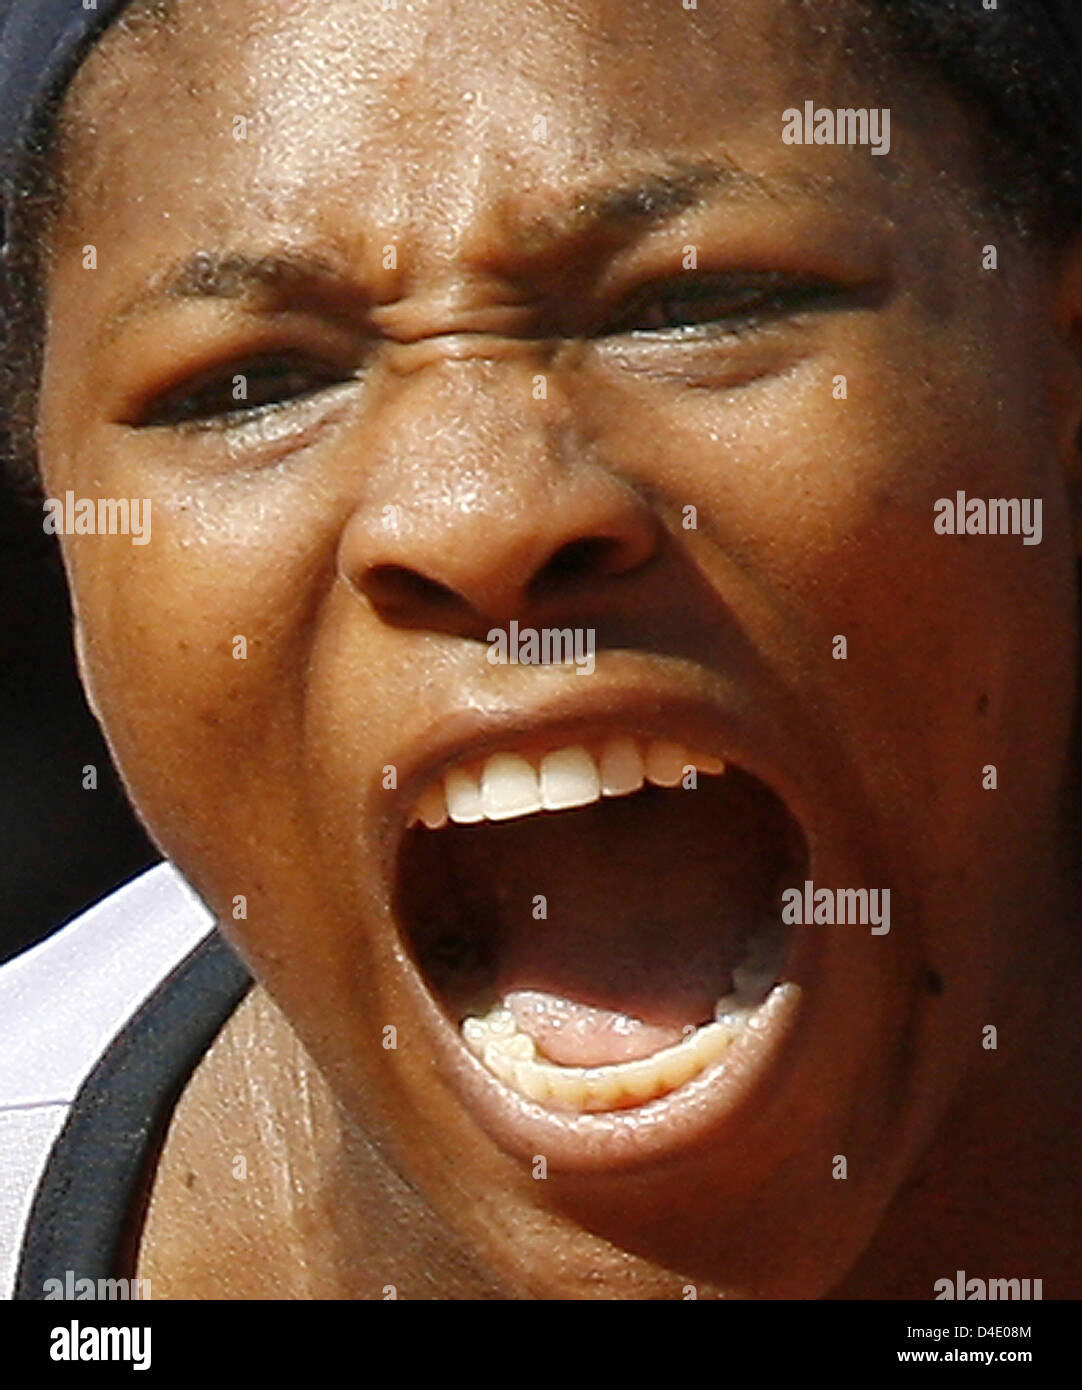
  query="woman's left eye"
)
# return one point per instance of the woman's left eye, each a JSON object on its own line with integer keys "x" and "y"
{"x": 731, "y": 303}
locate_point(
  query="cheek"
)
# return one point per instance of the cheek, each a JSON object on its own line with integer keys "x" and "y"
{"x": 197, "y": 646}
{"x": 815, "y": 520}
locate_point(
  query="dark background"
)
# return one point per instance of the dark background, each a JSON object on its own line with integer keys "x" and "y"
{"x": 61, "y": 847}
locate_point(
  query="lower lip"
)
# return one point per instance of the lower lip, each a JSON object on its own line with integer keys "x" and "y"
{"x": 713, "y": 1106}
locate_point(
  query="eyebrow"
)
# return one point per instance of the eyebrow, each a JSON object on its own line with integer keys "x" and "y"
{"x": 290, "y": 277}
{"x": 649, "y": 196}
{"x": 286, "y": 276}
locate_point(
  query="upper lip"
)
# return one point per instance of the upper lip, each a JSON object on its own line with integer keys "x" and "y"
{"x": 701, "y": 722}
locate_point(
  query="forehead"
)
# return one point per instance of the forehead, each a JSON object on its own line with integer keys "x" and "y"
{"x": 281, "y": 108}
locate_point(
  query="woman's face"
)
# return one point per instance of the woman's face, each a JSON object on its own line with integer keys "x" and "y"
{"x": 461, "y": 249}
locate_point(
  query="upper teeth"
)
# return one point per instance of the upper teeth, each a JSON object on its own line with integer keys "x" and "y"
{"x": 506, "y": 785}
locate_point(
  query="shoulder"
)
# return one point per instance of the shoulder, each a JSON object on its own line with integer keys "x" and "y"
{"x": 63, "y": 1002}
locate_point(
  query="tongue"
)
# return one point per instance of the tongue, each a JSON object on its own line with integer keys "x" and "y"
{"x": 648, "y": 905}
{"x": 576, "y": 1035}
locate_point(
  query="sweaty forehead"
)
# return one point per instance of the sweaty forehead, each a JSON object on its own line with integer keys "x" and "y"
{"x": 248, "y": 104}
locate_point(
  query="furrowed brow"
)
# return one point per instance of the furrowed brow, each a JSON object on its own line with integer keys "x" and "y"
{"x": 613, "y": 211}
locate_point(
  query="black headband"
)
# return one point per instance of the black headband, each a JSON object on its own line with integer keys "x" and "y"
{"x": 42, "y": 42}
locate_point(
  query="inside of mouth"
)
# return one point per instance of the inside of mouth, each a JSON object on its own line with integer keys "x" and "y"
{"x": 609, "y": 934}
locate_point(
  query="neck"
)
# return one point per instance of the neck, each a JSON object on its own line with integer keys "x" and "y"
{"x": 989, "y": 1194}
{"x": 265, "y": 1190}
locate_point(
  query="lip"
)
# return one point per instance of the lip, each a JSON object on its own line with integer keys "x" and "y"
{"x": 711, "y": 1106}
{"x": 708, "y": 1108}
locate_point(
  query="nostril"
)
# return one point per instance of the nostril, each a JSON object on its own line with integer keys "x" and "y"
{"x": 397, "y": 587}
{"x": 592, "y": 555}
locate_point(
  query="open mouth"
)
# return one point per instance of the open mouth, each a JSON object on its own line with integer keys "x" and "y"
{"x": 600, "y": 920}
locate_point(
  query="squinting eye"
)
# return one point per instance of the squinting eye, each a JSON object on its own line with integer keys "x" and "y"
{"x": 268, "y": 384}
{"x": 729, "y": 302}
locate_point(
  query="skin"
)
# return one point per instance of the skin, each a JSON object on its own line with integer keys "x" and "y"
{"x": 262, "y": 776}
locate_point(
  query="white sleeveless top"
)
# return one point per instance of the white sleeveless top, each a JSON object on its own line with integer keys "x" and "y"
{"x": 62, "y": 1003}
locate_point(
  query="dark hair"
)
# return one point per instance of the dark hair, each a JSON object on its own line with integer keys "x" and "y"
{"x": 1018, "y": 66}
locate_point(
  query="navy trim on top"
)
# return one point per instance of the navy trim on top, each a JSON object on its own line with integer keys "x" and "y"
{"x": 90, "y": 1204}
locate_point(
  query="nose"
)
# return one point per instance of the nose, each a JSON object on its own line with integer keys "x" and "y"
{"x": 484, "y": 504}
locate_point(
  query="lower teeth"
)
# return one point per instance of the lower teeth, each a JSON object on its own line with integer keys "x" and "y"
{"x": 511, "y": 1054}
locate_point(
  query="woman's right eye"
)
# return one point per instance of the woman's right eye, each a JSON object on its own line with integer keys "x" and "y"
{"x": 222, "y": 399}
